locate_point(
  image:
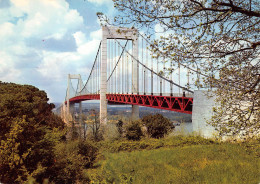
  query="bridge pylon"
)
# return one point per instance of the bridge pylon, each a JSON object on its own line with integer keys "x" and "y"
{"x": 117, "y": 33}
{"x": 70, "y": 107}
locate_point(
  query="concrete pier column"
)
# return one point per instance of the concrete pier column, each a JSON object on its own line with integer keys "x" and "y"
{"x": 71, "y": 111}
{"x": 68, "y": 103}
{"x": 135, "y": 76}
{"x": 80, "y": 112}
{"x": 63, "y": 112}
{"x": 202, "y": 112}
{"x": 103, "y": 77}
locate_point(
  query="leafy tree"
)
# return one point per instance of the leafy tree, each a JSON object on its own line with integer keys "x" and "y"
{"x": 33, "y": 147}
{"x": 133, "y": 131}
{"x": 218, "y": 40}
{"x": 27, "y": 151}
{"x": 18, "y": 101}
{"x": 157, "y": 125}
{"x": 27, "y": 133}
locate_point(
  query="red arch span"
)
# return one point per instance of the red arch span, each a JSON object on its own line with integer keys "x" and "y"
{"x": 177, "y": 104}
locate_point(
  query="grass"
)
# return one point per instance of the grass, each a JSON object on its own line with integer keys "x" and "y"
{"x": 178, "y": 160}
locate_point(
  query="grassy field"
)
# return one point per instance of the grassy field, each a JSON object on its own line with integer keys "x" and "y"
{"x": 177, "y": 160}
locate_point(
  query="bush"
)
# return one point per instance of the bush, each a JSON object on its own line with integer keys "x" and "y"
{"x": 119, "y": 126}
{"x": 157, "y": 125}
{"x": 134, "y": 131}
{"x": 71, "y": 160}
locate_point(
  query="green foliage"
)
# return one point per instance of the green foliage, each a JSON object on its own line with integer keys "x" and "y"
{"x": 27, "y": 133}
{"x": 33, "y": 147}
{"x": 17, "y": 101}
{"x": 217, "y": 40}
{"x": 134, "y": 131}
{"x": 216, "y": 163}
{"x": 27, "y": 152}
{"x": 150, "y": 144}
{"x": 71, "y": 159}
{"x": 157, "y": 125}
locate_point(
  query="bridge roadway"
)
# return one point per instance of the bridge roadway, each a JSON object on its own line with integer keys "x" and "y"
{"x": 177, "y": 104}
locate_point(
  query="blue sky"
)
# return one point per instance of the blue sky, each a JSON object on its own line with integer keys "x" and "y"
{"x": 42, "y": 41}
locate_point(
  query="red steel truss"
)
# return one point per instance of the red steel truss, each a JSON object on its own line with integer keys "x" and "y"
{"x": 177, "y": 104}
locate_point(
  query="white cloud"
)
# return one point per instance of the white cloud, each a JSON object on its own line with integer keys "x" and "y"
{"x": 88, "y": 47}
{"x": 80, "y": 38}
{"x": 99, "y": 2}
{"x": 24, "y": 28}
{"x": 96, "y": 34}
{"x": 7, "y": 70}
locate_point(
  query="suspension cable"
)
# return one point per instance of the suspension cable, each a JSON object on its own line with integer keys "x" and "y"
{"x": 118, "y": 60}
{"x": 137, "y": 60}
{"x": 92, "y": 67}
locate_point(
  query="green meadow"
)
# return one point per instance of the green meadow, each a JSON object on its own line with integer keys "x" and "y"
{"x": 177, "y": 159}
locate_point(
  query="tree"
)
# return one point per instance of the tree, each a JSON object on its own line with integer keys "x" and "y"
{"x": 24, "y": 101}
{"x": 95, "y": 126}
{"x": 133, "y": 131}
{"x": 27, "y": 151}
{"x": 218, "y": 40}
{"x": 157, "y": 125}
{"x": 28, "y": 133}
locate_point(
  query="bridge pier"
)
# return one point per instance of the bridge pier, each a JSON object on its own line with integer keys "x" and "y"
{"x": 103, "y": 77}
{"x": 135, "y": 112}
{"x": 202, "y": 112}
{"x": 135, "y": 76}
{"x": 71, "y": 111}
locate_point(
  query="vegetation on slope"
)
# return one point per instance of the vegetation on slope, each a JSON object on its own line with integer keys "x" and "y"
{"x": 34, "y": 149}
{"x": 178, "y": 160}
{"x": 33, "y": 146}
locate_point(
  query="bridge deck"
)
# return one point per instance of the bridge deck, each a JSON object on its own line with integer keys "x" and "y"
{"x": 177, "y": 104}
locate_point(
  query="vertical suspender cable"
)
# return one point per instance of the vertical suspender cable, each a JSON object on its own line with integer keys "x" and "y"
{"x": 111, "y": 65}
{"x": 164, "y": 71}
{"x": 188, "y": 75}
{"x": 152, "y": 75}
{"x": 147, "y": 64}
{"x": 118, "y": 70}
{"x": 99, "y": 71}
{"x": 157, "y": 75}
{"x": 123, "y": 73}
{"x": 114, "y": 66}
{"x": 143, "y": 79}
{"x": 144, "y": 72}
{"x": 179, "y": 70}
{"x": 108, "y": 66}
{"x": 171, "y": 86}
{"x": 132, "y": 70}
{"x": 96, "y": 72}
{"x": 127, "y": 70}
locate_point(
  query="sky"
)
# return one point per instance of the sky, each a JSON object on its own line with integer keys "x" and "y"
{"x": 42, "y": 41}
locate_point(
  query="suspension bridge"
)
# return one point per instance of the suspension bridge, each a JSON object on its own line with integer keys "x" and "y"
{"x": 126, "y": 72}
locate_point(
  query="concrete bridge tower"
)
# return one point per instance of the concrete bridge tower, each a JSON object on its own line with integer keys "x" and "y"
{"x": 117, "y": 33}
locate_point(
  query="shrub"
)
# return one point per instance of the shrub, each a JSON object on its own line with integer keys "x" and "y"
{"x": 134, "y": 131}
{"x": 71, "y": 160}
{"x": 157, "y": 125}
{"x": 119, "y": 126}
